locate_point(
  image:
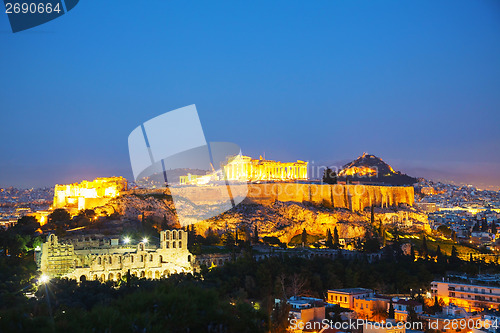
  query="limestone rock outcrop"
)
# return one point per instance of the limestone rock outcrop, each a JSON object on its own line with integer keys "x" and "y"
{"x": 282, "y": 210}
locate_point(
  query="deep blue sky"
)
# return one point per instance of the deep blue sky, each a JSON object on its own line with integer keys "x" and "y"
{"x": 414, "y": 82}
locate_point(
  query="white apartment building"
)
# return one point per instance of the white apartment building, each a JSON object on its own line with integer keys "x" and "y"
{"x": 469, "y": 296}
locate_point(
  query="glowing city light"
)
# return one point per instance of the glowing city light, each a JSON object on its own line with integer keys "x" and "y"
{"x": 145, "y": 240}
{"x": 43, "y": 279}
{"x": 126, "y": 240}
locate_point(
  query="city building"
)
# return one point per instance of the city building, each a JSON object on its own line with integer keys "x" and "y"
{"x": 346, "y": 297}
{"x": 402, "y": 308}
{"x": 376, "y": 307}
{"x": 451, "y": 319}
{"x": 428, "y": 207}
{"x": 306, "y": 310}
{"x": 6, "y": 223}
{"x": 469, "y": 295}
{"x": 371, "y": 308}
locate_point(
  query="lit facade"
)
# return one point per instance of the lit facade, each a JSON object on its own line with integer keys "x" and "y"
{"x": 346, "y": 297}
{"x": 88, "y": 194}
{"x": 370, "y": 308}
{"x": 469, "y": 296}
{"x": 246, "y": 169}
{"x": 452, "y": 319}
{"x": 109, "y": 262}
{"x": 402, "y": 308}
{"x": 306, "y": 310}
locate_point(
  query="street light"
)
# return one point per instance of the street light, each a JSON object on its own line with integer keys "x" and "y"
{"x": 43, "y": 279}
{"x": 145, "y": 240}
{"x": 126, "y": 240}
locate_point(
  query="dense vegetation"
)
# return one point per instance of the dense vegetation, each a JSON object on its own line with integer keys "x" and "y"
{"x": 237, "y": 297}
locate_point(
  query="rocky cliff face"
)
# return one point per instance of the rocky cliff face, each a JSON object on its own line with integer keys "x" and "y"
{"x": 152, "y": 204}
{"x": 286, "y": 220}
{"x": 282, "y": 210}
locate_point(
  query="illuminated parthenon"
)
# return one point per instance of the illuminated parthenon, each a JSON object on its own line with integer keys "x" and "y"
{"x": 246, "y": 169}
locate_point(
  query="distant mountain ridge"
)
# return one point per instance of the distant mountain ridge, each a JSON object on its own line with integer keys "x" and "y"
{"x": 372, "y": 169}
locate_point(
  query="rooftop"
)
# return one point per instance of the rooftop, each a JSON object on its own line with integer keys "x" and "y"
{"x": 351, "y": 290}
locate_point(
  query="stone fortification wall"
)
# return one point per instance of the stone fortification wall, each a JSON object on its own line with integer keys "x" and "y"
{"x": 352, "y": 197}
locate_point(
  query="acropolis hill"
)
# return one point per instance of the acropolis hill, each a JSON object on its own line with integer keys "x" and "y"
{"x": 96, "y": 193}
{"x": 267, "y": 203}
{"x": 280, "y": 209}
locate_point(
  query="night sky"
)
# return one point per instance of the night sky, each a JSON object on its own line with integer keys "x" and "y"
{"x": 416, "y": 83}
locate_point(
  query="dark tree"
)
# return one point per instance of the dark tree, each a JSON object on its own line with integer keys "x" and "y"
{"x": 454, "y": 236}
{"x": 329, "y": 239}
{"x": 391, "y": 310}
{"x": 304, "y": 237}
{"x": 454, "y": 253}
{"x": 438, "y": 251}
{"x": 484, "y": 226}
{"x": 439, "y": 255}
{"x": 494, "y": 228}
{"x": 247, "y": 238}
{"x": 372, "y": 244}
{"x": 212, "y": 237}
{"x": 59, "y": 215}
{"x": 372, "y": 215}
{"x": 255, "y": 234}
{"x": 280, "y": 317}
{"x": 90, "y": 213}
{"x": 412, "y": 315}
{"x": 329, "y": 176}
{"x": 445, "y": 230}
{"x": 395, "y": 231}
{"x": 336, "y": 239}
{"x": 228, "y": 239}
{"x": 425, "y": 251}
{"x": 191, "y": 236}
{"x": 27, "y": 225}
{"x": 437, "y": 306}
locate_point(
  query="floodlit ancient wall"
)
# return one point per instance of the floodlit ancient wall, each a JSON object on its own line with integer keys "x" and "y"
{"x": 113, "y": 263}
{"x": 88, "y": 194}
{"x": 352, "y": 197}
